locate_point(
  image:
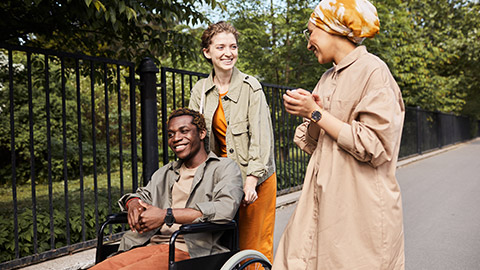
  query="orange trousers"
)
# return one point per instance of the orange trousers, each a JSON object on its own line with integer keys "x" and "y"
{"x": 257, "y": 220}
{"x": 149, "y": 257}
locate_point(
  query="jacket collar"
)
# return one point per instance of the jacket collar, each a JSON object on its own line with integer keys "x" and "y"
{"x": 175, "y": 165}
{"x": 235, "y": 88}
{"x": 236, "y": 83}
{"x": 350, "y": 58}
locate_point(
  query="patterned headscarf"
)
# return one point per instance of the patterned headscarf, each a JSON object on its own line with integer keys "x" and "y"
{"x": 355, "y": 19}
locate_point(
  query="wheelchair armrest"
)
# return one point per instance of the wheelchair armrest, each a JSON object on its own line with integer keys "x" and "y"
{"x": 207, "y": 227}
{"x": 117, "y": 218}
{"x": 198, "y": 228}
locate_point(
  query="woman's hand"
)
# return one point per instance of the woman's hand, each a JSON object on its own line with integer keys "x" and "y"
{"x": 250, "y": 190}
{"x": 300, "y": 102}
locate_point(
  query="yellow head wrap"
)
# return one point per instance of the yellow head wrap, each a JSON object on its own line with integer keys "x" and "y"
{"x": 355, "y": 19}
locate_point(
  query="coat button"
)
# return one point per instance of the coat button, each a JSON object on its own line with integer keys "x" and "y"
{"x": 225, "y": 98}
{"x": 231, "y": 150}
{"x": 246, "y": 78}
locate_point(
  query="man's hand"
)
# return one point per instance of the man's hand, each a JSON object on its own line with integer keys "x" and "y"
{"x": 134, "y": 211}
{"x": 250, "y": 190}
{"x": 151, "y": 218}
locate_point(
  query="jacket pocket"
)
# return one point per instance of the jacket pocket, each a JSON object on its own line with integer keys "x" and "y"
{"x": 240, "y": 141}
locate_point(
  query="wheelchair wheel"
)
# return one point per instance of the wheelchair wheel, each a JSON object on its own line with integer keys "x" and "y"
{"x": 247, "y": 259}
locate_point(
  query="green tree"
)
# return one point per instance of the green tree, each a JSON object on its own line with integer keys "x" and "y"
{"x": 126, "y": 29}
{"x": 425, "y": 45}
{"x": 430, "y": 47}
{"x": 272, "y": 46}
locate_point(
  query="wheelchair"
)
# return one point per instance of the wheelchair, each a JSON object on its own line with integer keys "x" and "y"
{"x": 234, "y": 259}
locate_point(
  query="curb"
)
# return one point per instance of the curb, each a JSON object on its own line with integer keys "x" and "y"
{"x": 288, "y": 198}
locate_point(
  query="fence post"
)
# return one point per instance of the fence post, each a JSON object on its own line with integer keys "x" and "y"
{"x": 148, "y": 100}
{"x": 163, "y": 87}
{"x": 419, "y": 131}
{"x": 478, "y": 128}
{"x": 439, "y": 129}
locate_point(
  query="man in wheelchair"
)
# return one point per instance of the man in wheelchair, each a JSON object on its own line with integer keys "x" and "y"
{"x": 199, "y": 187}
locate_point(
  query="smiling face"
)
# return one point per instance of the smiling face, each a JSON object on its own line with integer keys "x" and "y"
{"x": 184, "y": 138}
{"x": 321, "y": 43}
{"x": 222, "y": 51}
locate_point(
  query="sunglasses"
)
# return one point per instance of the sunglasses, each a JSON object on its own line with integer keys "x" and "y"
{"x": 306, "y": 33}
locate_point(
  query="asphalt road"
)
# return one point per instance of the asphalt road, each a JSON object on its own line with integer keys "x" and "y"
{"x": 441, "y": 200}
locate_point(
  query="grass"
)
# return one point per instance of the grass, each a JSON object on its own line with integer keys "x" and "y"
{"x": 24, "y": 192}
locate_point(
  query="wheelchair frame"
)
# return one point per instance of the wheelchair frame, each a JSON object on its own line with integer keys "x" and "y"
{"x": 232, "y": 259}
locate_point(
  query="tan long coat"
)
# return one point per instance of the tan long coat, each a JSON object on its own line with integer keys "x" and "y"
{"x": 349, "y": 215}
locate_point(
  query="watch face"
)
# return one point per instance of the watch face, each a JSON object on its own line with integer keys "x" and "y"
{"x": 316, "y": 115}
{"x": 169, "y": 218}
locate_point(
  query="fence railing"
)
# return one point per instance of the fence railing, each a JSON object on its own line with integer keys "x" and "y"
{"x": 71, "y": 144}
{"x": 68, "y": 144}
{"x": 424, "y": 131}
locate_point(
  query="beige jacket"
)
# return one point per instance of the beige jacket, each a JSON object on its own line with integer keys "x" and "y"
{"x": 249, "y": 127}
{"x": 349, "y": 215}
{"x": 216, "y": 191}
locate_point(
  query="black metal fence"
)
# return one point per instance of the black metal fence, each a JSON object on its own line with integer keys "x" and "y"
{"x": 71, "y": 143}
{"x": 68, "y": 144}
{"x": 424, "y": 131}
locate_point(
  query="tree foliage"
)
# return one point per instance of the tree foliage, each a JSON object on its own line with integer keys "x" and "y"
{"x": 424, "y": 45}
{"x": 126, "y": 29}
{"x": 271, "y": 45}
{"x": 430, "y": 46}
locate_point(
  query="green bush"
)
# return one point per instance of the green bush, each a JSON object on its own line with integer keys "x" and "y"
{"x": 25, "y": 224}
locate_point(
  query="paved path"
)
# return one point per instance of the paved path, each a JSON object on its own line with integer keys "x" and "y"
{"x": 441, "y": 199}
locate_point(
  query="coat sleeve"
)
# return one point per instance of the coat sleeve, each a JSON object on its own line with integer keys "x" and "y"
{"x": 261, "y": 134}
{"x": 302, "y": 136}
{"x": 143, "y": 193}
{"x": 373, "y": 135}
{"x": 303, "y": 139}
{"x": 226, "y": 196}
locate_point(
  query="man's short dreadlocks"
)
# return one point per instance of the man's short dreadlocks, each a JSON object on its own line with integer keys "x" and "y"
{"x": 198, "y": 119}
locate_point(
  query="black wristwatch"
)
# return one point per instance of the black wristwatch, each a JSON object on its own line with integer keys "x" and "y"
{"x": 169, "y": 218}
{"x": 316, "y": 116}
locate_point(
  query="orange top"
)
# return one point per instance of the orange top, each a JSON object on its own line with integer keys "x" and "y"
{"x": 219, "y": 126}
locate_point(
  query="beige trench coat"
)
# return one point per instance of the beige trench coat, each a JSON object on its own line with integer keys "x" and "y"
{"x": 349, "y": 215}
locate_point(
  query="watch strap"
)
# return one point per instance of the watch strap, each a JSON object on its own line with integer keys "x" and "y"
{"x": 169, "y": 218}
